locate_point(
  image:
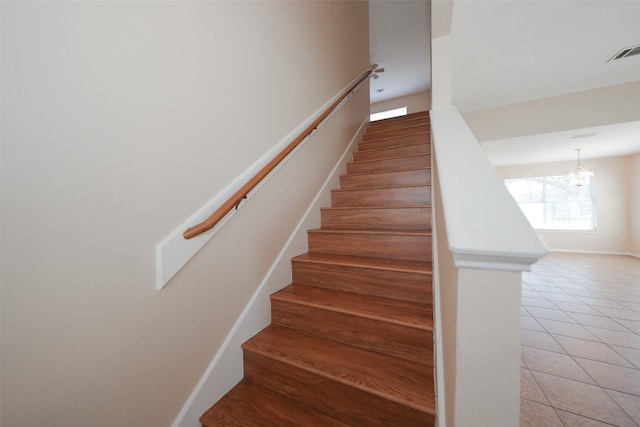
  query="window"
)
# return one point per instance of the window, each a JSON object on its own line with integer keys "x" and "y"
{"x": 553, "y": 203}
{"x": 402, "y": 111}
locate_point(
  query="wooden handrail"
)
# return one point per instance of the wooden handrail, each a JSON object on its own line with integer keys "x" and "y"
{"x": 239, "y": 195}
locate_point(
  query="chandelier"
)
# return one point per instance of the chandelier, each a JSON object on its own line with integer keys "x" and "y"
{"x": 577, "y": 176}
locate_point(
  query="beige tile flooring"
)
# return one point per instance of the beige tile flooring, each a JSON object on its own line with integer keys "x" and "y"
{"x": 581, "y": 342}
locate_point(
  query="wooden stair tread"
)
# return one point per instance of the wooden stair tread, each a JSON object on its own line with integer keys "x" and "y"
{"x": 392, "y": 152}
{"x": 418, "y": 128}
{"x": 375, "y": 232}
{"x": 419, "y": 267}
{"x": 363, "y": 180}
{"x": 397, "y": 217}
{"x": 376, "y": 207}
{"x": 397, "y": 380}
{"x": 388, "y": 141}
{"x": 398, "y": 328}
{"x": 388, "y": 278}
{"x": 251, "y": 405}
{"x": 390, "y": 158}
{"x": 420, "y": 134}
{"x": 382, "y": 194}
{"x": 389, "y": 137}
{"x": 405, "y": 313}
{"x": 341, "y": 190}
{"x": 418, "y": 124}
{"x": 390, "y": 163}
{"x": 388, "y": 171}
{"x": 400, "y": 145}
{"x": 402, "y": 244}
{"x": 372, "y": 130}
{"x": 406, "y": 124}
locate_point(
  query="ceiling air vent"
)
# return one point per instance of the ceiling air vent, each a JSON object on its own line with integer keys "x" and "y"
{"x": 584, "y": 135}
{"x": 626, "y": 52}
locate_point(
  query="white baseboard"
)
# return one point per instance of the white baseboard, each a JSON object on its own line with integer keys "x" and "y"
{"x": 225, "y": 370}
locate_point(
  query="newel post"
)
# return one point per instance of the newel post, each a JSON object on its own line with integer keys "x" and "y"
{"x": 483, "y": 243}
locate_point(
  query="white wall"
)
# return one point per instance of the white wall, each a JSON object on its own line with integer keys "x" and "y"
{"x": 634, "y": 202}
{"x": 441, "y": 17}
{"x": 612, "y": 199}
{"x": 441, "y": 94}
{"x": 119, "y": 121}
{"x": 417, "y": 102}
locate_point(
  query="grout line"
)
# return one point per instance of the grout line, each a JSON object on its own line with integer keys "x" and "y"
{"x": 607, "y": 390}
{"x": 575, "y": 322}
{"x": 540, "y": 387}
{"x": 588, "y": 418}
{"x": 623, "y": 356}
{"x": 625, "y": 327}
{"x": 591, "y": 279}
{"x": 594, "y": 384}
{"x": 555, "y": 411}
{"x": 546, "y": 349}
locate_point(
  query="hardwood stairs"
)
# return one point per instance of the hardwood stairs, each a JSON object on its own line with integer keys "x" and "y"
{"x": 351, "y": 339}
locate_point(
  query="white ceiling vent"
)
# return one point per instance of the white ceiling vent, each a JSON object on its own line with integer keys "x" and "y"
{"x": 584, "y": 135}
{"x": 626, "y": 52}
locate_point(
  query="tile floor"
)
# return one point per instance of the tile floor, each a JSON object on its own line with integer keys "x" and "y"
{"x": 581, "y": 342}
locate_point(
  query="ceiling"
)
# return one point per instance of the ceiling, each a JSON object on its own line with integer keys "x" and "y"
{"x": 399, "y": 42}
{"x": 613, "y": 140}
{"x": 507, "y": 52}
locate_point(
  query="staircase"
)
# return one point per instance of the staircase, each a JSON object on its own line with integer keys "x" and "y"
{"x": 351, "y": 339}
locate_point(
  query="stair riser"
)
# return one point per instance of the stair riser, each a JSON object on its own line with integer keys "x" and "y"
{"x": 377, "y": 219}
{"x": 390, "y": 197}
{"x": 412, "y": 162}
{"x": 392, "y": 339}
{"x": 250, "y": 404}
{"x": 386, "y": 179}
{"x": 351, "y": 405}
{"x": 400, "y": 285}
{"x": 400, "y": 119}
{"x": 405, "y": 150}
{"x": 394, "y": 246}
{"x": 381, "y": 127}
{"x": 395, "y": 133}
{"x": 421, "y": 138}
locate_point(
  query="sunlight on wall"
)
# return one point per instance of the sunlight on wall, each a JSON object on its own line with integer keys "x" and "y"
{"x": 396, "y": 112}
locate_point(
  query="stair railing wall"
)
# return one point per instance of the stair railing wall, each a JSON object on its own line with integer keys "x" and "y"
{"x": 482, "y": 243}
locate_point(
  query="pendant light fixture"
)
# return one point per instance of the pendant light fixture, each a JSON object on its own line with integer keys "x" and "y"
{"x": 577, "y": 176}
